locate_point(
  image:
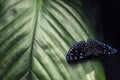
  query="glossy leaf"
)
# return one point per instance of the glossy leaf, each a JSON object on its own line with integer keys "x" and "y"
{"x": 35, "y": 36}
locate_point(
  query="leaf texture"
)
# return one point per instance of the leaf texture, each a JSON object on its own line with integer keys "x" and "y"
{"x": 35, "y": 36}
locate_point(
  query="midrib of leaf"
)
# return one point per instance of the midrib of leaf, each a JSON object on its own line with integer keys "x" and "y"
{"x": 37, "y": 6}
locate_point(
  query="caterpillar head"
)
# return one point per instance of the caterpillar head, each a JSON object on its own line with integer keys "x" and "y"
{"x": 78, "y": 52}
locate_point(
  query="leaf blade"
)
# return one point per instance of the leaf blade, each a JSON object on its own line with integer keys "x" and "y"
{"x": 36, "y": 36}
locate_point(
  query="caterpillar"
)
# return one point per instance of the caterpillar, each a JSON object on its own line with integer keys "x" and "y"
{"x": 81, "y": 51}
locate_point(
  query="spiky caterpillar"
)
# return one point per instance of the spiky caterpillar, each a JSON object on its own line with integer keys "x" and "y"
{"x": 82, "y": 50}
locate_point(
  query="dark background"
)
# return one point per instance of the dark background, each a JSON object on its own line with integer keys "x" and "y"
{"x": 107, "y": 14}
{"x": 111, "y": 27}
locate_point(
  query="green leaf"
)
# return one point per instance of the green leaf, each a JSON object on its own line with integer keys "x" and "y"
{"x": 35, "y": 36}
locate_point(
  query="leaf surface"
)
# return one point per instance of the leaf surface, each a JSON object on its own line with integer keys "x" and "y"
{"x": 35, "y": 36}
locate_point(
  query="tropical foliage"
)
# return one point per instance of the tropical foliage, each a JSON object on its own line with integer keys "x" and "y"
{"x": 35, "y": 36}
